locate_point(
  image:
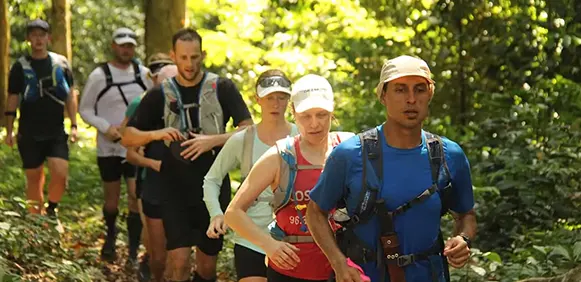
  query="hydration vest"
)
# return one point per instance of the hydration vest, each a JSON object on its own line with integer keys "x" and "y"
{"x": 284, "y": 193}
{"x": 371, "y": 204}
{"x": 109, "y": 82}
{"x": 210, "y": 114}
{"x": 54, "y": 86}
{"x": 247, "y": 151}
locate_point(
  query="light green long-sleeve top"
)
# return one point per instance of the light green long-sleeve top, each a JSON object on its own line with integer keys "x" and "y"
{"x": 229, "y": 158}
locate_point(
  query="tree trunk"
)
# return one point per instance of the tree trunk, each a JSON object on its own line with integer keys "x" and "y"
{"x": 61, "y": 28}
{"x": 162, "y": 20}
{"x": 4, "y": 57}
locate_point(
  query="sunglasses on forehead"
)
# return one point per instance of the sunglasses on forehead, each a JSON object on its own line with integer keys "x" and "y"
{"x": 274, "y": 81}
{"x": 122, "y": 35}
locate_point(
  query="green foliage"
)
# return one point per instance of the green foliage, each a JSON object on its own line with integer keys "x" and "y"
{"x": 536, "y": 254}
{"x": 507, "y": 75}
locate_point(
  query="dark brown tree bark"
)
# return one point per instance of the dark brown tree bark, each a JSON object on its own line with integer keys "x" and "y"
{"x": 61, "y": 28}
{"x": 4, "y": 57}
{"x": 162, "y": 20}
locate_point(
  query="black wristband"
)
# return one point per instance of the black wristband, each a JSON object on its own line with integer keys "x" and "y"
{"x": 73, "y": 126}
{"x": 10, "y": 113}
{"x": 467, "y": 240}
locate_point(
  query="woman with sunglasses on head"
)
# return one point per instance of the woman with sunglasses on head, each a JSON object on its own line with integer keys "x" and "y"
{"x": 242, "y": 150}
{"x": 291, "y": 169}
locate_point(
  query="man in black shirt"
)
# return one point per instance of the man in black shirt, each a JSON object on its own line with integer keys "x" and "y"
{"x": 195, "y": 105}
{"x": 42, "y": 82}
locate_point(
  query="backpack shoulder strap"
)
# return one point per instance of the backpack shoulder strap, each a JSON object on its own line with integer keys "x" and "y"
{"x": 137, "y": 72}
{"x": 59, "y": 60}
{"x": 108, "y": 77}
{"x": 25, "y": 62}
{"x": 371, "y": 155}
{"x": 247, "y": 150}
{"x": 108, "y": 83}
{"x": 435, "y": 147}
{"x": 287, "y": 174}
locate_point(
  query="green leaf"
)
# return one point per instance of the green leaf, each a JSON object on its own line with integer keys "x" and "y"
{"x": 560, "y": 251}
{"x": 541, "y": 249}
{"x": 11, "y": 213}
{"x": 492, "y": 256}
{"x": 577, "y": 251}
{"x": 479, "y": 270}
{"x": 4, "y": 226}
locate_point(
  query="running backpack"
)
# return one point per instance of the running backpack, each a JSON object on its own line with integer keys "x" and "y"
{"x": 371, "y": 204}
{"x": 54, "y": 86}
{"x": 284, "y": 193}
{"x": 109, "y": 82}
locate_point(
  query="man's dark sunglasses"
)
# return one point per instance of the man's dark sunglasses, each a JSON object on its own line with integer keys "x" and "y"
{"x": 274, "y": 81}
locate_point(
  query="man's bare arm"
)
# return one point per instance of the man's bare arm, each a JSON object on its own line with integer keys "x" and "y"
{"x": 11, "y": 105}
{"x": 137, "y": 159}
{"x": 318, "y": 223}
{"x": 465, "y": 224}
{"x": 133, "y": 137}
{"x": 72, "y": 106}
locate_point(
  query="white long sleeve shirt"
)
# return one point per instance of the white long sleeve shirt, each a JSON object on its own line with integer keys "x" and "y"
{"x": 229, "y": 158}
{"x": 111, "y": 107}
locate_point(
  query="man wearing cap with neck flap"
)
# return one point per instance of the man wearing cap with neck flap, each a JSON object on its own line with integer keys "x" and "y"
{"x": 107, "y": 93}
{"x": 392, "y": 183}
{"x": 42, "y": 82}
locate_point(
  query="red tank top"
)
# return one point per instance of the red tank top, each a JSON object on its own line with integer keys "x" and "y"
{"x": 313, "y": 265}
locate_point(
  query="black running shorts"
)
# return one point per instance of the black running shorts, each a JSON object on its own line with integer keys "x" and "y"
{"x": 112, "y": 168}
{"x": 248, "y": 262}
{"x": 34, "y": 152}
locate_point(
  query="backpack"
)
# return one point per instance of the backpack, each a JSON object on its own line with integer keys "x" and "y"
{"x": 284, "y": 193}
{"x": 210, "y": 113}
{"x": 109, "y": 82}
{"x": 247, "y": 151}
{"x": 35, "y": 87}
{"x": 371, "y": 205}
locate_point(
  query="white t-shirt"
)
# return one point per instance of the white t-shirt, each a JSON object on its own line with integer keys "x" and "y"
{"x": 110, "y": 109}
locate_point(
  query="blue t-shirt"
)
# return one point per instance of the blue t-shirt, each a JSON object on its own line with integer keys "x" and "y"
{"x": 406, "y": 174}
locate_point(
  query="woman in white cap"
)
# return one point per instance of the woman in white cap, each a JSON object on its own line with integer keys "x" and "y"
{"x": 291, "y": 169}
{"x": 242, "y": 150}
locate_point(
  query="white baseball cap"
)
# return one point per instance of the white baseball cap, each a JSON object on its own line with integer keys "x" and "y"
{"x": 271, "y": 84}
{"x": 124, "y": 35}
{"x": 312, "y": 91}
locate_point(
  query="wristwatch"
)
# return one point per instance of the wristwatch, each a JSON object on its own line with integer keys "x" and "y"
{"x": 467, "y": 240}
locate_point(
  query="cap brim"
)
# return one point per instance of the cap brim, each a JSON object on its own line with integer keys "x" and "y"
{"x": 43, "y": 28}
{"x": 269, "y": 90}
{"x": 314, "y": 102}
{"x": 124, "y": 40}
{"x": 410, "y": 74}
{"x": 379, "y": 88}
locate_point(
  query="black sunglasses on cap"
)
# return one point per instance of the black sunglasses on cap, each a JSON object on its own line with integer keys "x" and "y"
{"x": 121, "y": 35}
{"x": 274, "y": 81}
{"x": 155, "y": 66}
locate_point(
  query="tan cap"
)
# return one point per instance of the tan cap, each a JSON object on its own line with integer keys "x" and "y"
{"x": 400, "y": 67}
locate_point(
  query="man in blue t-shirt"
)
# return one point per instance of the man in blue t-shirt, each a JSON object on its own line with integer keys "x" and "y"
{"x": 405, "y": 89}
